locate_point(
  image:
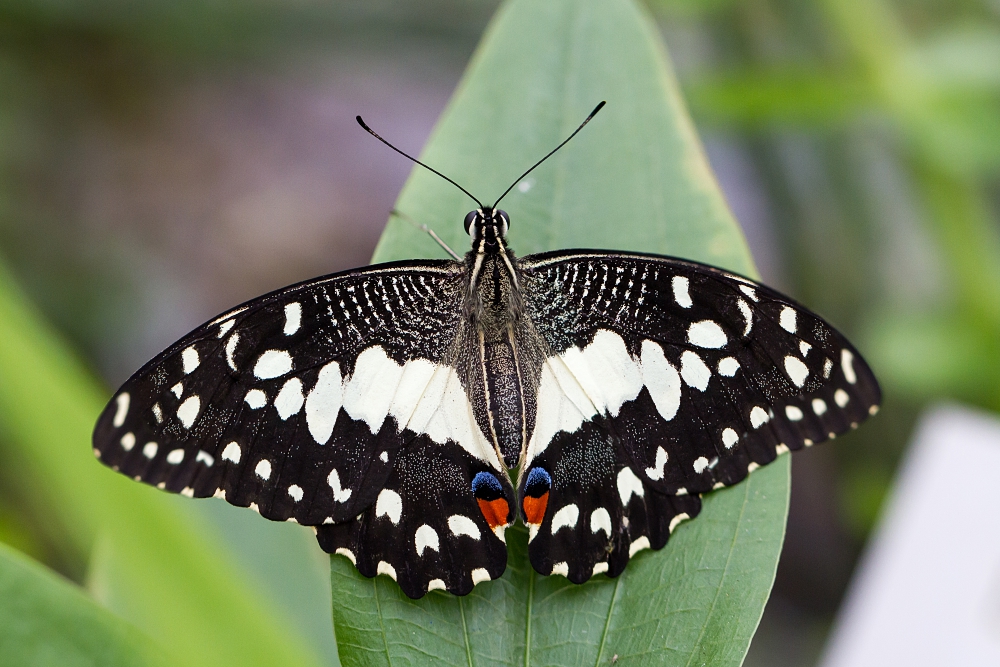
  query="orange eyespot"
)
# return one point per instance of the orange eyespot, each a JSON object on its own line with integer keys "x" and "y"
{"x": 534, "y": 508}
{"x": 494, "y": 511}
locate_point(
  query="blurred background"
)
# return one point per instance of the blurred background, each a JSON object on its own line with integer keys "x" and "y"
{"x": 161, "y": 161}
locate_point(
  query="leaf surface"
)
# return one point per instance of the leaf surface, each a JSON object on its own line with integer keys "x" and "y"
{"x": 49, "y": 621}
{"x": 635, "y": 178}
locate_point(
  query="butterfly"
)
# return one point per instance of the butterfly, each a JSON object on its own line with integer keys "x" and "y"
{"x": 385, "y": 406}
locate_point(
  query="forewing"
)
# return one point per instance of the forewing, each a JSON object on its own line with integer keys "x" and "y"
{"x": 296, "y": 403}
{"x": 685, "y": 376}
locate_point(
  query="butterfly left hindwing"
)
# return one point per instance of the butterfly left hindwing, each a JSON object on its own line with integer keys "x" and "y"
{"x": 666, "y": 379}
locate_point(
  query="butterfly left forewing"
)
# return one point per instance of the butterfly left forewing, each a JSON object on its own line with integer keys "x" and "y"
{"x": 685, "y": 377}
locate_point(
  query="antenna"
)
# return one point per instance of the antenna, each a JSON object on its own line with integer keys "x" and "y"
{"x": 518, "y": 179}
{"x": 409, "y": 157}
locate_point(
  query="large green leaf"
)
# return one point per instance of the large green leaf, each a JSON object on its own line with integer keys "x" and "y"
{"x": 636, "y": 178}
{"x": 46, "y": 620}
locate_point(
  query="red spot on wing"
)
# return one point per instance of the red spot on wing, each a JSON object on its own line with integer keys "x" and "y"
{"x": 494, "y": 511}
{"x": 534, "y": 508}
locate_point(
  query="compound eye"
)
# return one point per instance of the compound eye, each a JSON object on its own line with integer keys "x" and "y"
{"x": 504, "y": 222}
{"x": 469, "y": 219}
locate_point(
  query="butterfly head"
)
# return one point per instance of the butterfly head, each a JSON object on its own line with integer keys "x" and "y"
{"x": 488, "y": 228}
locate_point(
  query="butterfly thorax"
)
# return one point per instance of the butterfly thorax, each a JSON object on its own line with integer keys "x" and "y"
{"x": 495, "y": 309}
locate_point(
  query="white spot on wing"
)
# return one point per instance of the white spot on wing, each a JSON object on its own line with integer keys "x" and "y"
{"x": 178, "y": 390}
{"x": 681, "y": 295}
{"x": 694, "y": 371}
{"x": 661, "y": 380}
{"x": 187, "y": 491}
{"x": 749, "y": 291}
{"x": 149, "y": 449}
{"x": 759, "y": 417}
{"x": 729, "y": 438}
{"x": 580, "y": 384}
{"x": 847, "y": 363}
{"x": 728, "y": 366}
{"x": 436, "y": 585}
{"x": 263, "y": 469}
{"x": 479, "y": 575}
{"x": 293, "y": 318}
{"x": 600, "y": 520}
{"x": 289, "y": 400}
{"x": 599, "y": 568}
{"x": 295, "y": 491}
{"x": 121, "y": 410}
{"x": 324, "y": 403}
{"x": 232, "y": 453}
{"x": 204, "y": 457}
{"x": 190, "y": 359}
{"x": 804, "y": 347}
{"x": 566, "y": 517}
{"x": 707, "y": 333}
{"x": 683, "y": 516}
{"x": 747, "y": 313}
{"x": 656, "y": 472}
{"x": 341, "y": 495}
{"x": 638, "y": 545}
{"x": 628, "y": 484}
{"x": 819, "y": 406}
{"x": 700, "y": 464}
{"x": 386, "y": 569}
{"x": 463, "y": 525}
{"x": 231, "y": 344}
{"x": 426, "y": 538}
{"x": 389, "y": 504}
{"x": 384, "y": 457}
{"x": 157, "y": 413}
{"x": 188, "y": 411}
{"x": 781, "y": 449}
{"x": 348, "y": 554}
{"x": 841, "y": 398}
{"x": 562, "y": 569}
{"x": 128, "y": 441}
{"x": 797, "y": 370}
{"x": 256, "y": 399}
{"x": 788, "y": 319}
{"x": 793, "y": 413}
{"x": 225, "y": 327}
{"x": 175, "y": 456}
{"x": 272, "y": 364}
{"x": 427, "y": 398}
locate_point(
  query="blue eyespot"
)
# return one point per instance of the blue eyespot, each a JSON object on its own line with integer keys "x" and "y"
{"x": 538, "y": 483}
{"x": 486, "y": 486}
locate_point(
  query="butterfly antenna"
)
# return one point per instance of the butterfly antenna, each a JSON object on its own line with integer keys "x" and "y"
{"x": 518, "y": 179}
{"x": 410, "y": 157}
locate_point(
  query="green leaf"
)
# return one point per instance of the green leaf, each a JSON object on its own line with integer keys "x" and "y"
{"x": 172, "y": 577}
{"x": 635, "y": 178}
{"x": 49, "y": 621}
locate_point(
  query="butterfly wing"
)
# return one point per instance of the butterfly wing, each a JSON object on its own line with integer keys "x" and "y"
{"x": 310, "y": 404}
{"x": 666, "y": 379}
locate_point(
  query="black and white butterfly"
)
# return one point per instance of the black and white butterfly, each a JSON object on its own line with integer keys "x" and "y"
{"x": 385, "y": 405}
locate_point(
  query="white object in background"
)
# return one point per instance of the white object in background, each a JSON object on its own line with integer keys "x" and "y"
{"x": 927, "y": 591}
